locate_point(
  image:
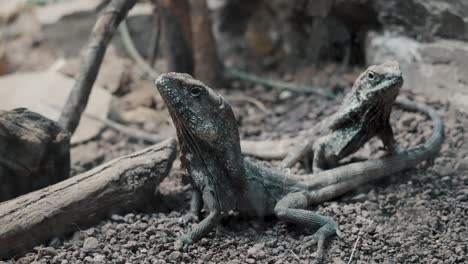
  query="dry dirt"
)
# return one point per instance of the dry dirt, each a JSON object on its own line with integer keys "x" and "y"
{"x": 419, "y": 216}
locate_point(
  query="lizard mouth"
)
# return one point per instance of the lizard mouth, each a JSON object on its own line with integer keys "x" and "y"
{"x": 387, "y": 84}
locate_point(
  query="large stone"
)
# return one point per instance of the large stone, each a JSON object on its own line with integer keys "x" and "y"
{"x": 425, "y": 19}
{"x": 46, "y": 93}
{"x": 439, "y": 70}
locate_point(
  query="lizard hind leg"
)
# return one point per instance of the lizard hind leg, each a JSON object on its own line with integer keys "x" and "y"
{"x": 292, "y": 209}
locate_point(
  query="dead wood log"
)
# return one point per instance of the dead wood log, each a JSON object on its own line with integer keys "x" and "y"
{"x": 120, "y": 185}
{"x": 208, "y": 66}
{"x": 91, "y": 60}
{"x": 34, "y": 152}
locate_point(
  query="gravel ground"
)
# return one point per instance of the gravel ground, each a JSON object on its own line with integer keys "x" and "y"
{"x": 419, "y": 216}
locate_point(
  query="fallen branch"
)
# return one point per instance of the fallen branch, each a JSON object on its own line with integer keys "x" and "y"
{"x": 34, "y": 152}
{"x": 123, "y": 184}
{"x": 91, "y": 61}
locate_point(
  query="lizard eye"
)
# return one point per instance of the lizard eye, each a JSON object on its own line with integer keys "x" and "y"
{"x": 195, "y": 91}
{"x": 370, "y": 75}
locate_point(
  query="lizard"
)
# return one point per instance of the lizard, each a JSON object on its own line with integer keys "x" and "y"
{"x": 363, "y": 114}
{"x": 224, "y": 180}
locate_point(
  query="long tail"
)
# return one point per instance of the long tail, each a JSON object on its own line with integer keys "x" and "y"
{"x": 335, "y": 182}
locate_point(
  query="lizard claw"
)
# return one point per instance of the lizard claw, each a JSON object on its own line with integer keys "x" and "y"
{"x": 312, "y": 240}
{"x": 183, "y": 242}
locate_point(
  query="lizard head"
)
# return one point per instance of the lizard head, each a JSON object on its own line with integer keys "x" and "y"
{"x": 379, "y": 80}
{"x": 195, "y": 108}
{"x": 208, "y": 136}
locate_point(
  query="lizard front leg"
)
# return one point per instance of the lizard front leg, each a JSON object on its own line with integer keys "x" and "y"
{"x": 388, "y": 139}
{"x": 324, "y": 157}
{"x": 303, "y": 149}
{"x": 292, "y": 208}
{"x": 196, "y": 205}
{"x": 207, "y": 224}
{"x": 300, "y": 151}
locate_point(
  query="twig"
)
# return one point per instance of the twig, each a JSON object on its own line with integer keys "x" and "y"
{"x": 294, "y": 254}
{"x": 277, "y": 84}
{"x": 133, "y": 52}
{"x": 91, "y": 61}
{"x": 126, "y": 130}
{"x": 243, "y": 98}
{"x": 354, "y": 249}
{"x": 155, "y": 35}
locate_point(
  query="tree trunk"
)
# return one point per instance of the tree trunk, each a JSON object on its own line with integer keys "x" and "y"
{"x": 119, "y": 185}
{"x": 34, "y": 152}
{"x": 208, "y": 67}
{"x": 176, "y": 35}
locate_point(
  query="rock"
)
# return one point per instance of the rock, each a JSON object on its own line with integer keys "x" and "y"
{"x": 48, "y": 251}
{"x": 142, "y": 94}
{"x": 142, "y": 115}
{"x": 90, "y": 243}
{"x": 257, "y": 251}
{"x": 132, "y": 245}
{"x": 175, "y": 255}
{"x": 87, "y": 155}
{"x": 57, "y": 19}
{"x": 178, "y": 244}
{"x": 99, "y": 259}
{"x": 114, "y": 72}
{"x": 117, "y": 218}
{"x": 250, "y": 260}
{"x": 425, "y": 19}
{"x": 33, "y": 90}
{"x": 110, "y": 233}
{"x": 10, "y": 9}
{"x": 437, "y": 70}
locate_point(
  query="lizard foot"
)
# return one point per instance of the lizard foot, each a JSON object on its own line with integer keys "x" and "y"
{"x": 312, "y": 240}
{"x": 183, "y": 242}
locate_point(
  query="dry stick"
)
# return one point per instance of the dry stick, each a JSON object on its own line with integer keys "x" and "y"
{"x": 354, "y": 249}
{"x": 155, "y": 35}
{"x": 91, "y": 61}
{"x": 133, "y": 52}
{"x": 277, "y": 84}
{"x": 127, "y": 130}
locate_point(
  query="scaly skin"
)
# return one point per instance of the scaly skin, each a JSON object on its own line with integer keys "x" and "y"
{"x": 364, "y": 113}
{"x": 211, "y": 153}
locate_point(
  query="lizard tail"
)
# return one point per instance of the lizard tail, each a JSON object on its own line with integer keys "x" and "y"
{"x": 335, "y": 182}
